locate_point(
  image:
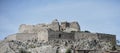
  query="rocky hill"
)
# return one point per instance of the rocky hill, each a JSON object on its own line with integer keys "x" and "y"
{"x": 64, "y": 37}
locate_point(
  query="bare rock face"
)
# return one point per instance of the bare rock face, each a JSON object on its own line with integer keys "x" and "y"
{"x": 53, "y": 46}
{"x": 43, "y": 49}
{"x": 4, "y": 47}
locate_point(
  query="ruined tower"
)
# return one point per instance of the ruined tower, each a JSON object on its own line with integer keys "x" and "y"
{"x": 69, "y": 26}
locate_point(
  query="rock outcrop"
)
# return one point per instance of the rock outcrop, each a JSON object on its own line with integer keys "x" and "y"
{"x": 53, "y": 46}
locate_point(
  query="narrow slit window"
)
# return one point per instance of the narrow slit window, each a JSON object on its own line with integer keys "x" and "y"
{"x": 59, "y": 35}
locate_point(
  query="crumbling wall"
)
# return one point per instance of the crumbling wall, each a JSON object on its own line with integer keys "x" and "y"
{"x": 64, "y": 25}
{"x": 54, "y": 25}
{"x": 69, "y": 26}
{"x": 32, "y": 28}
{"x": 36, "y": 28}
{"x": 26, "y": 28}
{"x": 75, "y": 25}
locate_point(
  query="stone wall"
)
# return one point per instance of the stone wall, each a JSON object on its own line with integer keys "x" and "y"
{"x": 64, "y": 25}
{"x": 26, "y": 36}
{"x": 22, "y": 36}
{"x": 84, "y": 35}
{"x": 11, "y": 37}
{"x": 54, "y": 25}
{"x": 43, "y": 34}
{"x": 75, "y": 25}
{"x": 60, "y": 35}
{"x": 107, "y": 38}
{"x": 65, "y": 30}
{"x": 69, "y": 26}
{"x": 26, "y": 28}
{"x": 32, "y": 28}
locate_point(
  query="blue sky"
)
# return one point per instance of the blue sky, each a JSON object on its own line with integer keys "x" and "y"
{"x": 94, "y": 15}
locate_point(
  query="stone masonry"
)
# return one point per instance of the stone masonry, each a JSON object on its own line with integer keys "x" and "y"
{"x": 65, "y": 32}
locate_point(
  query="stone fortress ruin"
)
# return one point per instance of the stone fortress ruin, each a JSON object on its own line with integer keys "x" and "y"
{"x": 56, "y": 30}
{"x": 63, "y": 31}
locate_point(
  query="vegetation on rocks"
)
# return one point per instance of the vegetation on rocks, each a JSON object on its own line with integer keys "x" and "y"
{"x": 68, "y": 51}
{"x": 23, "y": 51}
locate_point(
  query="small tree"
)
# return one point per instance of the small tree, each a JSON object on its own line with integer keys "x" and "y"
{"x": 87, "y": 31}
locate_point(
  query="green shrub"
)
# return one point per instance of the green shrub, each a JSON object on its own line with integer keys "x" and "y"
{"x": 23, "y": 51}
{"x": 68, "y": 51}
{"x": 114, "y": 48}
{"x": 32, "y": 46}
{"x": 87, "y": 31}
